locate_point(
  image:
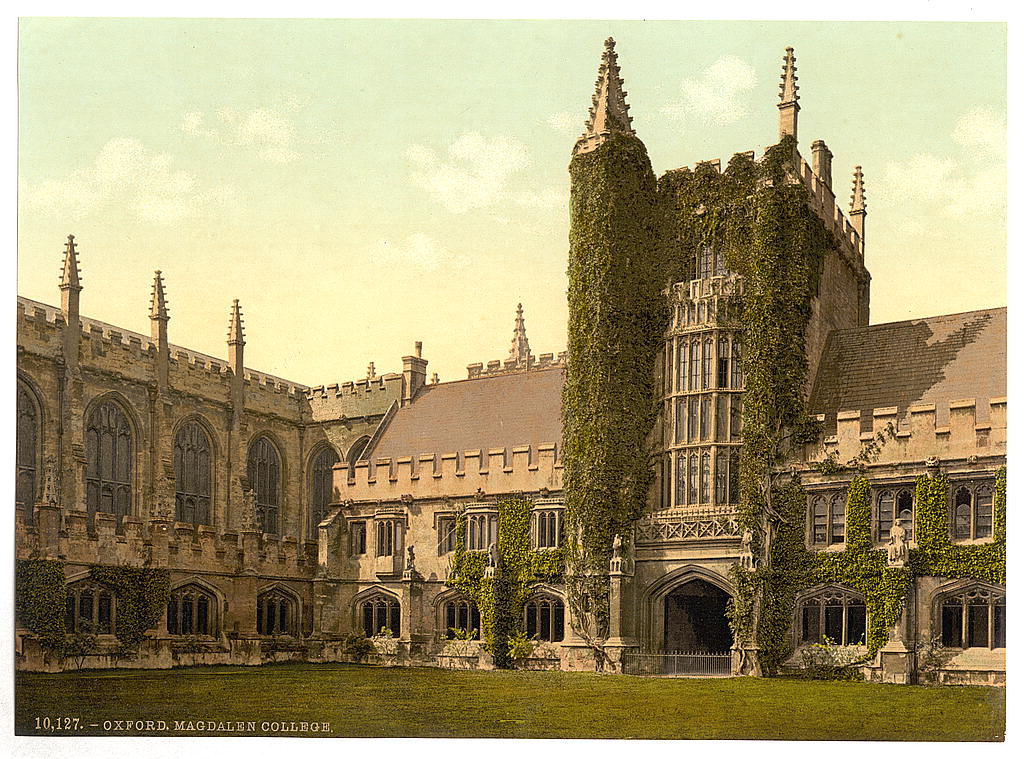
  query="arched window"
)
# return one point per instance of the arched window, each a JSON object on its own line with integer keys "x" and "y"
{"x": 737, "y": 363}
{"x": 462, "y": 615}
{"x": 735, "y": 417}
{"x": 264, "y": 472}
{"x": 828, "y": 518}
{"x": 721, "y": 477}
{"x": 275, "y": 613}
{"x": 705, "y": 377}
{"x": 705, "y": 262}
{"x": 972, "y": 512}
{"x": 694, "y": 496}
{"x": 381, "y": 612}
{"x": 734, "y": 476}
{"x": 356, "y": 451}
{"x": 90, "y": 608}
{"x": 894, "y": 504}
{"x": 321, "y": 487}
{"x": 680, "y": 479}
{"x": 694, "y": 364}
{"x": 481, "y": 531}
{"x": 191, "y": 611}
{"x": 974, "y": 618}
{"x": 27, "y": 463}
{"x": 192, "y": 474}
{"x": 705, "y": 477}
{"x": 836, "y": 614}
{"x": 548, "y": 528}
{"x": 545, "y": 618}
{"x": 693, "y": 419}
{"x": 108, "y": 450}
{"x": 385, "y": 537}
{"x": 705, "y": 417}
{"x": 680, "y": 420}
{"x": 723, "y": 362}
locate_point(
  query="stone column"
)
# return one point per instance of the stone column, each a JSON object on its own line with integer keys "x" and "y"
{"x": 621, "y": 612}
{"x": 897, "y": 658}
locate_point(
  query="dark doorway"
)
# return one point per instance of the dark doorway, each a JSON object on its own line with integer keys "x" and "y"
{"x": 695, "y": 619}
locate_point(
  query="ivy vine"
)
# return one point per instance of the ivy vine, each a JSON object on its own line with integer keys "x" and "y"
{"x": 39, "y": 593}
{"x": 142, "y": 594}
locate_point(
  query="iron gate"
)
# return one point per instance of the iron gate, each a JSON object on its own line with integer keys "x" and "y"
{"x": 678, "y": 663}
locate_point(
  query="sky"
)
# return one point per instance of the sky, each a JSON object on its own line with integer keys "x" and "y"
{"x": 361, "y": 185}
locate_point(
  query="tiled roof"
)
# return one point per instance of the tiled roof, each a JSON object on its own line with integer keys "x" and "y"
{"x": 932, "y": 360}
{"x": 501, "y": 411}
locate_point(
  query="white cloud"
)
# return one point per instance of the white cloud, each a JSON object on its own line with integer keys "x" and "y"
{"x": 266, "y": 131}
{"x": 566, "y": 123}
{"x": 714, "y": 96}
{"x": 551, "y": 197}
{"x": 418, "y": 252}
{"x": 475, "y": 173}
{"x": 126, "y": 175}
{"x": 982, "y": 131}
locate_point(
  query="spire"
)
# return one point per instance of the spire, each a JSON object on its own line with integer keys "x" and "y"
{"x": 69, "y": 279}
{"x": 158, "y": 300}
{"x": 520, "y": 352}
{"x": 858, "y": 207}
{"x": 236, "y": 335}
{"x": 609, "y": 113}
{"x": 788, "y": 97}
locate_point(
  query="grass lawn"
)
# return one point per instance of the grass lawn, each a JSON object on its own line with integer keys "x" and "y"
{"x": 420, "y": 702}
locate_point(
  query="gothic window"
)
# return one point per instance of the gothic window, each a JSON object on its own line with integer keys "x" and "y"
{"x": 90, "y": 608}
{"x": 694, "y": 364}
{"x": 192, "y": 474}
{"x": 358, "y": 537}
{"x": 722, "y": 418}
{"x": 721, "y": 477}
{"x": 108, "y": 451}
{"x": 694, "y": 476}
{"x": 275, "y": 614}
{"x": 693, "y": 419}
{"x": 190, "y": 611}
{"x": 681, "y": 365}
{"x": 680, "y": 420}
{"x": 828, "y": 519}
{"x": 972, "y": 512}
{"x": 481, "y": 531}
{"x": 378, "y": 613}
{"x": 837, "y": 615}
{"x": 737, "y": 364}
{"x": 357, "y": 450}
{"x": 705, "y": 417}
{"x": 705, "y": 477}
{"x": 894, "y": 504}
{"x": 680, "y": 479}
{"x": 386, "y": 529}
{"x": 544, "y": 618}
{"x": 548, "y": 528}
{"x": 723, "y": 362}
{"x": 734, "y": 476}
{"x": 462, "y": 615}
{"x": 974, "y": 618}
{"x": 265, "y": 481}
{"x": 445, "y": 535}
{"x": 705, "y": 376}
{"x": 27, "y": 464}
{"x": 735, "y": 417}
{"x": 321, "y": 487}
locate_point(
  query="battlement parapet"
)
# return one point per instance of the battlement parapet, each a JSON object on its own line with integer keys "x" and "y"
{"x": 175, "y": 545}
{"x": 511, "y": 366}
{"x": 462, "y": 473}
{"x": 379, "y": 383}
{"x": 975, "y": 427}
{"x": 824, "y": 201}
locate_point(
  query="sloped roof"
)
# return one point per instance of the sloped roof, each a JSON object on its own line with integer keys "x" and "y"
{"x": 931, "y": 360}
{"x": 501, "y": 411}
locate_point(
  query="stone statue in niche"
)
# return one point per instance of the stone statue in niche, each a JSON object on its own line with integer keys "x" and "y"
{"x": 410, "y": 561}
{"x": 747, "y": 549}
{"x": 492, "y": 555}
{"x": 617, "y": 547}
{"x": 897, "y": 545}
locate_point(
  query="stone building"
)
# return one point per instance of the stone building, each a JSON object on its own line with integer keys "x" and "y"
{"x": 291, "y": 517}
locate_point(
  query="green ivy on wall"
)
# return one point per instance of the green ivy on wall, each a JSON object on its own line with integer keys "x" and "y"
{"x": 500, "y": 598}
{"x": 142, "y": 594}
{"x": 39, "y": 594}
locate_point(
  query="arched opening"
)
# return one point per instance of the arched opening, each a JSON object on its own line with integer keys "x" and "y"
{"x": 695, "y": 618}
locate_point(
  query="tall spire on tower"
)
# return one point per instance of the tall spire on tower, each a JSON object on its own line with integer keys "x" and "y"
{"x": 236, "y": 335}
{"x": 609, "y": 113}
{"x": 158, "y": 300}
{"x": 520, "y": 352}
{"x": 788, "y": 97}
{"x": 858, "y": 207}
{"x": 69, "y": 279}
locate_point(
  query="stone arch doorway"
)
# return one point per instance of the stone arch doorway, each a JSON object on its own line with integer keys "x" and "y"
{"x": 695, "y": 618}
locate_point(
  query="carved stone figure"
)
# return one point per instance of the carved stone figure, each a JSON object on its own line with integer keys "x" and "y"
{"x": 250, "y": 517}
{"x": 492, "y": 555}
{"x": 747, "y": 549}
{"x": 410, "y": 561}
{"x": 51, "y": 485}
{"x": 617, "y": 547}
{"x": 897, "y": 546}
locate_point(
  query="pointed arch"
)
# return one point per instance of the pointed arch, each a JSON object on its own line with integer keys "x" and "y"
{"x": 320, "y": 483}
{"x": 279, "y": 610}
{"x": 112, "y": 456}
{"x": 194, "y": 457}
{"x": 266, "y": 477}
{"x": 28, "y": 446}
{"x": 375, "y": 608}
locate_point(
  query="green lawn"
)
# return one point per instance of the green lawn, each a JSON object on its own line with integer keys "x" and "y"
{"x": 420, "y": 702}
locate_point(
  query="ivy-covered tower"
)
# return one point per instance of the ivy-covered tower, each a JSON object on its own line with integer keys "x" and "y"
{"x": 617, "y": 315}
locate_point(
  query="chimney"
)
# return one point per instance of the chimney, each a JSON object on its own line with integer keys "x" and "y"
{"x": 414, "y": 374}
{"x": 821, "y": 162}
